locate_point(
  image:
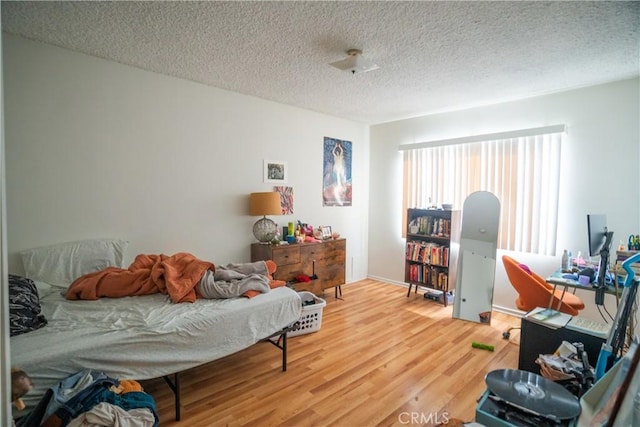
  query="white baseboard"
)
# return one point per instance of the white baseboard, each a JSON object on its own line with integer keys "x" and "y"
{"x": 500, "y": 309}
{"x": 385, "y": 280}
{"x": 508, "y": 310}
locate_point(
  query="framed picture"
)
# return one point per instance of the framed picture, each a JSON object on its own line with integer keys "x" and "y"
{"x": 336, "y": 175}
{"x": 275, "y": 171}
{"x": 286, "y": 199}
{"x": 326, "y": 232}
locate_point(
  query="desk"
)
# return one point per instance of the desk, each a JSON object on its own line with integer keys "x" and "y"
{"x": 556, "y": 280}
{"x": 536, "y": 339}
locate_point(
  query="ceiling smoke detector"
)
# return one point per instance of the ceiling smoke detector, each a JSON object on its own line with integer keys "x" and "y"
{"x": 355, "y": 63}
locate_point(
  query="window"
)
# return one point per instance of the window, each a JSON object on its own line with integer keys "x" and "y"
{"x": 522, "y": 168}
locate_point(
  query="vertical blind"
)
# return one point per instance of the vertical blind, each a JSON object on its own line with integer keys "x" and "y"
{"x": 521, "y": 168}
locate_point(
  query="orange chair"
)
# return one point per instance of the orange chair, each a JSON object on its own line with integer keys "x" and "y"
{"x": 534, "y": 291}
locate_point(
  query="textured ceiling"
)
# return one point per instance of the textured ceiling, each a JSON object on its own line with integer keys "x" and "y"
{"x": 433, "y": 56}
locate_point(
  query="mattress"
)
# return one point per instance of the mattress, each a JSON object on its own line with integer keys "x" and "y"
{"x": 144, "y": 337}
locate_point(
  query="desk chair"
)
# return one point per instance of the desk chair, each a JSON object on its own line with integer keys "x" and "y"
{"x": 534, "y": 291}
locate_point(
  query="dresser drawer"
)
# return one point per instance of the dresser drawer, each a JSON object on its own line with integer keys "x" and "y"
{"x": 286, "y": 255}
{"x": 312, "y": 252}
{"x": 335, "y": 252}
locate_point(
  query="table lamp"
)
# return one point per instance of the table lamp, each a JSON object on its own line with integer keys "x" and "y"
{"x": 264, "y": 204}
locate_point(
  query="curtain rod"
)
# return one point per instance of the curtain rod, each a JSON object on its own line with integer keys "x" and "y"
{"x": 486, "y": 137}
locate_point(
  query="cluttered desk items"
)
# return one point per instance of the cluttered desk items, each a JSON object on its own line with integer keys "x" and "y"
{"x": 559, "y": 279}
{"x": 569, "y": 366}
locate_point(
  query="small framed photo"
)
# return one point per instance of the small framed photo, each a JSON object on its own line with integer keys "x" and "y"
{"x": 326, "y": 232}
{"x": 275, "y": 171}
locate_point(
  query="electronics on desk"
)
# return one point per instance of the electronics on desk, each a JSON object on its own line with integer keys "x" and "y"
{"x": 522, "y": 399}
{"x": 588, "y": 326}
{"x": 599, "y": 244}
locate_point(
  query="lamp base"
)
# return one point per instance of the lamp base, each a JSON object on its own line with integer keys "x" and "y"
{"x": 265, "y": 230}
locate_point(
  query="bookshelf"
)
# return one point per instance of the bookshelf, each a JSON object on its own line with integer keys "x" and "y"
{"x": 430, "y": 258}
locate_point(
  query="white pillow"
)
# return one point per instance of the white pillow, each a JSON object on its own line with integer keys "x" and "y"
{"x": 59, "y": 265}
{"x": 44, "y": 289}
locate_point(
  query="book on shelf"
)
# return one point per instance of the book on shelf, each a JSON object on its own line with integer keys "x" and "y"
{"x": 548, "y": 317}
{"x": 435, "y": 255}
{"x": 431, "y": 226}
{"x": 433, "y": 279}
{"x": 443, "y": 280}
{"x": 420, "y": 273}
{"x": 427, "y": 253}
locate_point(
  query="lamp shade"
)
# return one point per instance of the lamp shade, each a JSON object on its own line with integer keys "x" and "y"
{"x": 265, "y": 204}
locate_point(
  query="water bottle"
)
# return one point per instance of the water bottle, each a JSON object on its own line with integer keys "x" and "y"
{"x": 565, "y": 261}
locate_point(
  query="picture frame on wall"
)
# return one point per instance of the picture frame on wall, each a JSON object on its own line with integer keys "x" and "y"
{"x": 275, "y": 171}
{"x": 286, "y": 198}
{"x": 336, "y": 176}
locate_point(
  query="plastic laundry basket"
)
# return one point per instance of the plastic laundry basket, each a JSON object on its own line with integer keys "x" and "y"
{"x": 311, "y": 317}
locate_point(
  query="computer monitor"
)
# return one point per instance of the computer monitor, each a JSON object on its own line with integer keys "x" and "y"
{"x": 599, "y": 244}
{"x": 596, "y": 232}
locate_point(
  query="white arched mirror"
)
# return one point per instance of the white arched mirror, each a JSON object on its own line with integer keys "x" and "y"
{"x": 477, "y": 257}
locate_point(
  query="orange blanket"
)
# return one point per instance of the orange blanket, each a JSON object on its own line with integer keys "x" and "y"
{"x": 176, "y": 275}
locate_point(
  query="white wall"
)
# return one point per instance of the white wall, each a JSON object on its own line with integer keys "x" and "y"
{"x": 98, "y": 149}
{"x": 600, "y": 163}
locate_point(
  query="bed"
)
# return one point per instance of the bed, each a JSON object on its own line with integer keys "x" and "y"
{"x": 144, "y": 337}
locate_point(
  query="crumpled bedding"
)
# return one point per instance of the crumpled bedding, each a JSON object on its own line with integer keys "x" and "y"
{"x": 175, "y": 275}
{"x": 234, "y": 280}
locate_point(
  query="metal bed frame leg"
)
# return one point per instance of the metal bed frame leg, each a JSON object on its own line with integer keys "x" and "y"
{"x": 175, "y": 384}
{"x": 175, "y": 387}
{"x": 284, "y": 352}
{"x": 282, "y": 336}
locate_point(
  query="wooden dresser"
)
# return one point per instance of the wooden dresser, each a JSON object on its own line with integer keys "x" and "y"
{"x": 326, "y": 259}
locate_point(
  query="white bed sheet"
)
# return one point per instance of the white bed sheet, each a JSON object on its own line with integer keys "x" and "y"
{"x": 144, "y": 337}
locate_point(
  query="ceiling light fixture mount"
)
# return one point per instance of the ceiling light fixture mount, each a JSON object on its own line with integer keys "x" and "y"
{"x": 355, "y": 63}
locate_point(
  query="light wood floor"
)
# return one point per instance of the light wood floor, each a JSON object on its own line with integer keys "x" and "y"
{"x": 379, "y": 358}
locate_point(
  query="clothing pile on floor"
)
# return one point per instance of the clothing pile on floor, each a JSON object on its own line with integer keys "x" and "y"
{"x": 91, "y": 398}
